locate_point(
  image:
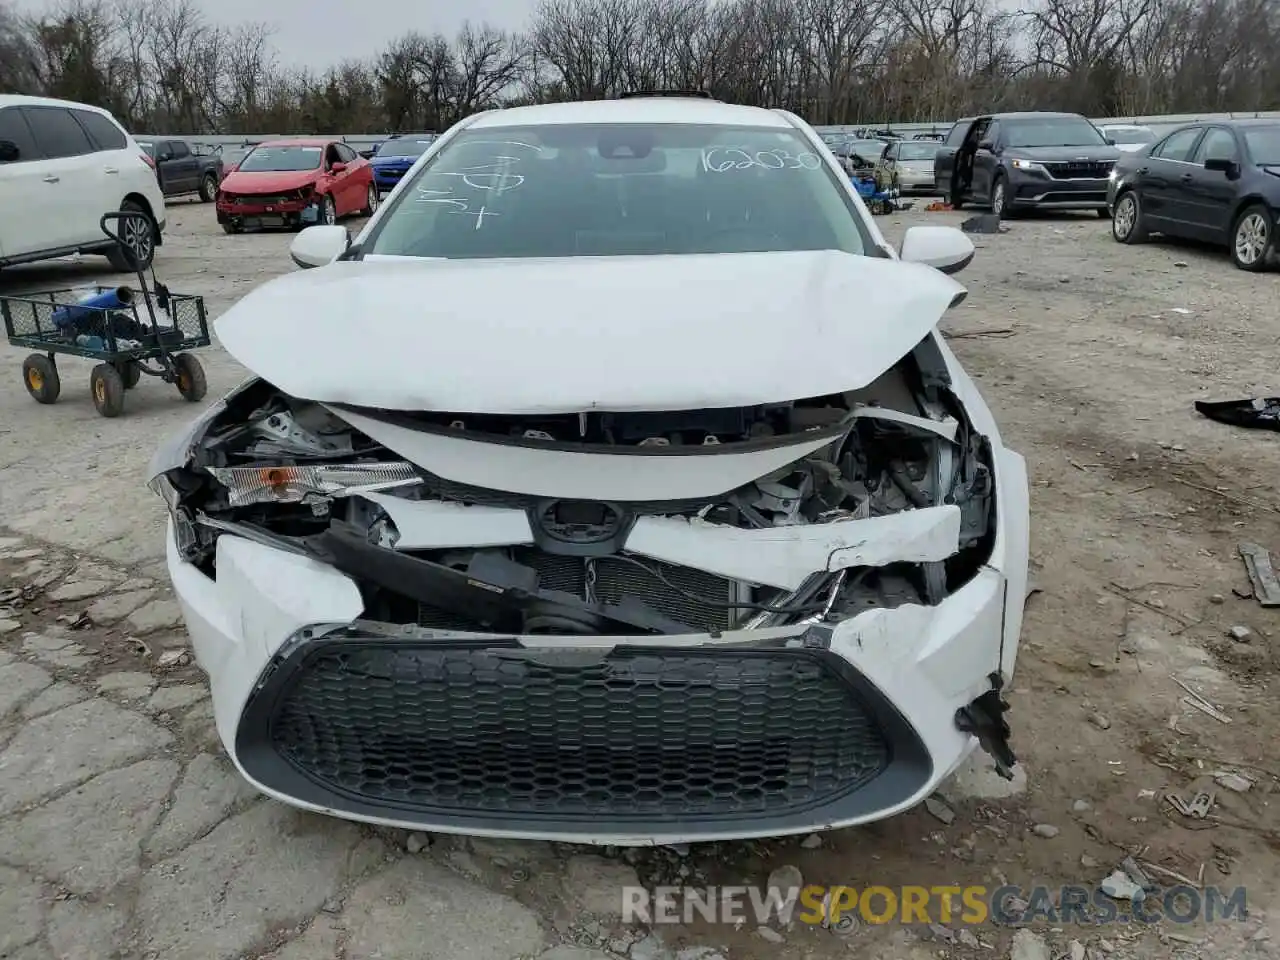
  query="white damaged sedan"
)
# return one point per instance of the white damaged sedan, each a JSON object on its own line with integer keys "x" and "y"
{"x": 613, "y": 486}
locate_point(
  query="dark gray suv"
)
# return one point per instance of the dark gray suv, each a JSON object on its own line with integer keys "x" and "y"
{"x": 1026, "y": 161}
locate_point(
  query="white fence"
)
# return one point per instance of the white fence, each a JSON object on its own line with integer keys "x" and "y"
{"x": 363, "y": 141}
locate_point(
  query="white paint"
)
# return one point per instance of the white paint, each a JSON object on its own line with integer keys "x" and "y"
{"x": 945, "y": 428}
{"x": 677, "y": 332}
{"x": 580, "y": 476}
{"x": 319, "y": 245}
{"x": 928, "y": 661}
{"x": 437, "y": 525}
{"x": 62, "y": 199}
{"x": 943, "y": 248}
{"x": 784, "y": 557}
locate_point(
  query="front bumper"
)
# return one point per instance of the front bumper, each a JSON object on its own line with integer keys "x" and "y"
{"x": 277, "y": 213}
{"x": 1035, "y": 191}
{"x": 591, "y": 740}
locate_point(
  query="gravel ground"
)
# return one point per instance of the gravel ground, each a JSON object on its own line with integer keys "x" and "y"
{"x": 123, "y": 833}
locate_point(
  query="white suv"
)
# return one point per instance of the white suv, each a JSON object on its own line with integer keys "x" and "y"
{"x": 62, "y": 166}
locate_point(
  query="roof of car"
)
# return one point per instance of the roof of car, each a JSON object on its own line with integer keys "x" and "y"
{"x": 296, "y": 142}
{"x": 634, "y": 110}
{"x": 1035, "y": 115}
{"x": 21, "y": 100}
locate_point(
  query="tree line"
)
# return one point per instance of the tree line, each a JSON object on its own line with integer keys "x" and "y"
{"x": 162, "y": 66}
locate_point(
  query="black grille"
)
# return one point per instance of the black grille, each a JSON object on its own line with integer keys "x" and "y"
{"x": 538, "y": 733}
{"x": 663, "y": 587}
{"x": 1080, "y": 169}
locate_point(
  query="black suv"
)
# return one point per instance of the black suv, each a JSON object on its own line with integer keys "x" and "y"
{"x": 1026, "y": 161}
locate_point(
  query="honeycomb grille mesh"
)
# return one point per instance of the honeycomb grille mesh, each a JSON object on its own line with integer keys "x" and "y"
{"x": 534, "y": 733}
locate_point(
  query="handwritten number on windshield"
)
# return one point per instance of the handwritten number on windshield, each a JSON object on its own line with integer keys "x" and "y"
{"x": 724, "y": 159}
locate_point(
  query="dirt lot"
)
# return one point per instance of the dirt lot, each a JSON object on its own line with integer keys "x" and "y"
{"x": 1091, "y": 355}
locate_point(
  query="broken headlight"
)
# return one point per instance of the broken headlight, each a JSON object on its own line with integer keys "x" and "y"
{"x": 294, "y": 484}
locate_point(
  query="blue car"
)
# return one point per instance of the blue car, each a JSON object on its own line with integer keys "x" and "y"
{"x": 395, "y": 156}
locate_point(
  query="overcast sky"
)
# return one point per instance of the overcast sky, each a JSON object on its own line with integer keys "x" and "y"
{"x": 320, "y": 34}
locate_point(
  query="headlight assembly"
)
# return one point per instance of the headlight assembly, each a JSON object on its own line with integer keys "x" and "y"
{"x": 293, "y": 484}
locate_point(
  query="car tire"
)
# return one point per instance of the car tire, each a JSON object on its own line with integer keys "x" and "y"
{"x": 141, "y": 241}
{"x": 231, "y": 228}
{"x": 1253, "y": 238}
{"x": 107, "y": 389}
{"x": 130, "y": 372}
{"x": 40, "y": 376}
{"x": 1000, "y": 196}
{"x": 328, "y": 210}
{"x": 1127, "y": 222}
{"x": 208, "y": 188}
{"x": 191, "y": 379}
{"x": 372, "y": 197}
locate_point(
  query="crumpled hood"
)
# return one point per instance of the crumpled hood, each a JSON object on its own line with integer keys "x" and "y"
{"x": 242, "y": 181}
{"x": 587, "y": 333}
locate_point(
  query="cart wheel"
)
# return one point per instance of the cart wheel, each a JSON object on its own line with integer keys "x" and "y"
{"x": 107, "y": 387}
{"x": 41, "y": 378}
{"x": 191, "y": 382}
{"x": 130, "y": 373}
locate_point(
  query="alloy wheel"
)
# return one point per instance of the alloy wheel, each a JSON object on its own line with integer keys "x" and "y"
{"x": 1126, "y": 214}
{"x": 997, "y": 199}
{"x": 1251, "y": 238}
{"x": 137, "y": 237}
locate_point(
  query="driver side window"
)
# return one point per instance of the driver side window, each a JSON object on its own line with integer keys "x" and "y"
{"x": 331, "y": 156}
{"x": 1178, "y": 146}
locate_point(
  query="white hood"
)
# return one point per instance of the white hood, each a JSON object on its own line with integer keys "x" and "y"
{"x": 570, "y": 335}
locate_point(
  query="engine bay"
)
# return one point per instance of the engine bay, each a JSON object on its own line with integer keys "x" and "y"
{"x": 295, "y": 475}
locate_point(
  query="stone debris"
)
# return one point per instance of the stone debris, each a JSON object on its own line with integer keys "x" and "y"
{"x": 1119, "y": 886}
{"x": 939, "y": 809}
{"x": 1240, "y": 634}
{"x": 812, "y": 842}
{"x": 1081, "y": 806}
{"x": 131, "y": 685}
{"x": 598, "y": 885}
{"x": 1029, "y": 945}
{"x": 1233, "y": 781}
{"x": 1046, "y": 830}
{"x": 9, "y": 626}
{"x": 1075, "y": 950}
{"x": 156, "y": 615}
{"x": 1100, "y": 721}
{"x": 417, "y": 842}
{"x": 769, "y": 935}
{"x": 115, "y": 607}
{"x": 78, "y": 590}
{"x": 785, "y": 879}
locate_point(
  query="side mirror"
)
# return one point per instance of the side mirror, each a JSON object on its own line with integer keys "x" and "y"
{"x": 319, "y": 246}
{"x": 988, "y": 145}
{"x": 1111, "y": 141}
{"x": 1222, "y": 165}
{"x": 9, "y": 151}
{"x": 338, "y": 167}
{"x": 944, "y": 248}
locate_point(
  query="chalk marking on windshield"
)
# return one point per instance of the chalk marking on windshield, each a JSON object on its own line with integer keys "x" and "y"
{"x": 723, "y": 159}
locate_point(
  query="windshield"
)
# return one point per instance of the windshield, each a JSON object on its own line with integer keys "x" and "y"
{"x": 1264, "y": 145}
{"x": 620, "y": 190}
{"x": 917, "y": 151}
{"x": 403, "y": 147}
{"x": 1130, "y": 134}
{"x": 1056, "y": 132}
{"x": 280, "y": 159}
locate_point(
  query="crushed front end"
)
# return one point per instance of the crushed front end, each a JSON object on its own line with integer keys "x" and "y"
{"x": 605, "y": 628}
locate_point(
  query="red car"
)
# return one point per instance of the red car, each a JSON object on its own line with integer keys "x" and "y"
{"x": 293, "y": 183}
